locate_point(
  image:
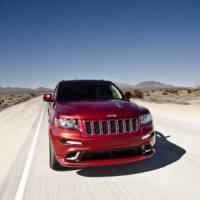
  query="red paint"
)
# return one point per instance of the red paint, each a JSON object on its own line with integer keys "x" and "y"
{"x": 97, "y": 110}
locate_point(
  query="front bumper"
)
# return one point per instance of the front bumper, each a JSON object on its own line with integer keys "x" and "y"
{"x": 108, "y": 150}
{"x": 111, "y": 157}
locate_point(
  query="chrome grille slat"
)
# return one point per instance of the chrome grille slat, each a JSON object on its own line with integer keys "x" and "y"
{"x": 110, "y": 126}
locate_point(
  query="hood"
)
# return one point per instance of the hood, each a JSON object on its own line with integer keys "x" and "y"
{"x": 99, "y": 109}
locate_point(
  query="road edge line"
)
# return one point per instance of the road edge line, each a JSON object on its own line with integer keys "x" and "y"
{"x": 22, "y": 184}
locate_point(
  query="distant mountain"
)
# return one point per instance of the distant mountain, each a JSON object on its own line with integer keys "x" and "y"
{"x": 42, "y": 89}
{"x": 144, "y": 84}
{"x": 153, "y": 84}
{"x": 22, "y": 90}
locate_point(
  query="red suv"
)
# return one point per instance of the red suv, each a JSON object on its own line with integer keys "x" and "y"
{"x": 92, "y": 123}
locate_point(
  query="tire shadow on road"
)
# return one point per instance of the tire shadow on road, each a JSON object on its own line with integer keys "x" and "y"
{"x": 166, "y": 154}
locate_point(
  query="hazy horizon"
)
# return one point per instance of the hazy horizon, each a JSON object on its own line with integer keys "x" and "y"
{"x": 43, "y": 86}
{"x": 43, "y": 42}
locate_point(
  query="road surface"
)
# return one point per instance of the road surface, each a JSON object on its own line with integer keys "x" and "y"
{"x": 173, "y": 173}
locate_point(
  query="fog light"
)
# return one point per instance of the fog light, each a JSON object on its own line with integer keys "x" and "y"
{"x": 73, "y": 142}
{"x": 146, "y": 136}
{"x": 70, "y": 142}
{"x": 73, "y": 156}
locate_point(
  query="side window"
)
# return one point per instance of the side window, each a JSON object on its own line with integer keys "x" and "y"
{"x": 116, "y": 94}
{"x": 55, "y": 93}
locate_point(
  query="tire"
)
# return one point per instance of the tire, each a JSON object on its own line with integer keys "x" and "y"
{"x": 53, "y": 163}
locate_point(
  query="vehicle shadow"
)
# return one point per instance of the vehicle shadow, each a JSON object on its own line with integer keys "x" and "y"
{"x": 166, "y": 153}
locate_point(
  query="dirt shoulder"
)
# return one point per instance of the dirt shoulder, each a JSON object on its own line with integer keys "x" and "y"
{"x": 184, "y": 96}
{"x": 7, "y": 100}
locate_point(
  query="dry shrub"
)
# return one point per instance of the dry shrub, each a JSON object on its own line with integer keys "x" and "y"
{"x": 138, "y": 94}
{"x": 154, "y": 99}
{"x": 164, "y": 92}
{"x": 173, "y": 91}
{"x": 189, "y": 90}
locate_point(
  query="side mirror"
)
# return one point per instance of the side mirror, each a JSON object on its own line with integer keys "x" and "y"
{"x": 48, "y": 97}
{"x": 127, "y": 95}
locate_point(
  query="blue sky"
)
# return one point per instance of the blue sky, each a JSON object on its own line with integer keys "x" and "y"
{"x": 42, "y": 42}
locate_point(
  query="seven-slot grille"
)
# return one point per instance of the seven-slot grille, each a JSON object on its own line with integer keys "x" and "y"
{"x": 112, "y": 126}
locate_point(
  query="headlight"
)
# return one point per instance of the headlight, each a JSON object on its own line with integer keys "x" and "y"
{"x": 145, "y": 118}
{"x": 67, "y": 123}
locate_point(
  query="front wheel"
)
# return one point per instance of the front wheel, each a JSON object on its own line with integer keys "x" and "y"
{"x": 53, "y": 163}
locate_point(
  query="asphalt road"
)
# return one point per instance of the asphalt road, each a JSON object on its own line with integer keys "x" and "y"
{"x": 173, "y": 173}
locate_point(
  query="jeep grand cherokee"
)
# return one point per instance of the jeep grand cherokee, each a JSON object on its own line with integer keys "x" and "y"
{"x": 92, "y": 123}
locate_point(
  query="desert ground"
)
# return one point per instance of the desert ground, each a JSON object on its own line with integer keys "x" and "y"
{"x": 7, "y": 100}
{"x": 185, "y": 96}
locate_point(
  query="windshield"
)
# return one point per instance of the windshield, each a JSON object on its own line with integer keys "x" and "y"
{"x": 74, "y": 91}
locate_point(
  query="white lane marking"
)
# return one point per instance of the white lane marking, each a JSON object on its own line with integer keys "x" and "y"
{"x": 22, "y": 184}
